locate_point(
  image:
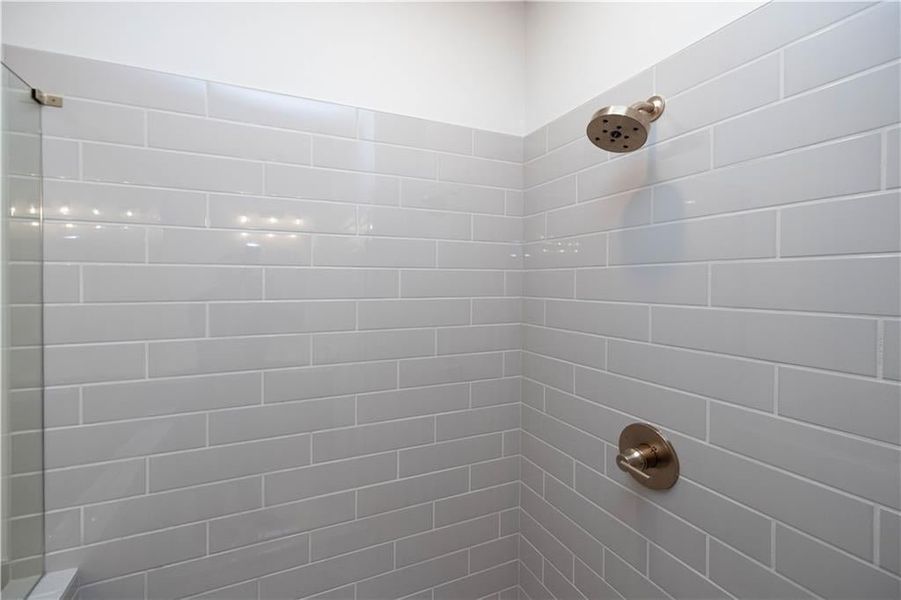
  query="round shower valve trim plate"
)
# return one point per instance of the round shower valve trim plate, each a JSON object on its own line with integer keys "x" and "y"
{"x": 646, "y": 455}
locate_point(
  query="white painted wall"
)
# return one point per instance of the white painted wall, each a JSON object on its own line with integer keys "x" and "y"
{"x": 455, "y": 62}
{"x": 576, "y": 50}
{"x": 504, "y": 66}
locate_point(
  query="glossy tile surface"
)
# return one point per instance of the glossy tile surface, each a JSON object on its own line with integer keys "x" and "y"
{"x": 743, "y": 296}
{"x": 300, "y": 349}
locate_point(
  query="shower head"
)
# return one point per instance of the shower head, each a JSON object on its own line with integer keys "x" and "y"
{"x": 624, "y": 128}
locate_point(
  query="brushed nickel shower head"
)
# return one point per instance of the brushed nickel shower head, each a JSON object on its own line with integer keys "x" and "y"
{"x": 624, "y": 128}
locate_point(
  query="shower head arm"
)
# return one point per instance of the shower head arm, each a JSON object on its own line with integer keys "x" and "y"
{"x": 653, "y": 106}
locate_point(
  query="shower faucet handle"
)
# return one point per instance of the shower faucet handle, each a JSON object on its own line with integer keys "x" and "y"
{"x": 647, "y": 456}
{"x": 636, "y": 460}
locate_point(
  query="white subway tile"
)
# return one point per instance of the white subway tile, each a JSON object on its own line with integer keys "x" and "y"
{"x": 557, "y": 193}
{"x": 731, "y": 379}
{"x": 372, "y": 345}
{"x": 868, "y": 285}
{"x": 90, "y": 363}
{"x": 891, "y": 358}
{"x": 889, "y": 534}
{"x": 450, "y": 283}
{"x": 868, "y": 470}
{"x": 233, "y": 531}
{"x": 828, "y": 572}
{"x": 442, "y": 195}
{"x": 574, "y": 156}
{"x": 893, "y": 158}
{"x": 334, "y": 251}
{"x": 582, "y": 251}
{"x": 449, "y": 369}
{"x": 616, "y": 212}
{"x": 225, "y": 568}
{"x": 617, "y": 320}
{"x": 253, "y": 212}
{"x": 69, "y": 446}
{"x": 84, "y": 78}
{"x": 410, "y": 131}
{"x": 866, "y": 224}
{"x": 758, "y": 33}
{"x": 497, "y": 229}
{"x": 751, "y": 235}
{"x": 323, "y": 184}
{"x": 866, "y": 40}
{"x": 549, "y": 284}
{"x": 192, "y": 134}
{"x": 445, "y": 455}
{"x": 739, "y": 91}
{"x": 289, "y": 283}
{"x": 403, "y": 222}
{"x": 412, "y": 490}
{"x": 574, "y": 347}
{"x": 751, "y": 483}
{"x": 119, "y": 401}
{"x": 500, "y": 146}
{"x": 324, "y": 381}
{"x": 398, "y": 404}
{"x": 139, "y": 283}
{"x": 743, "y": 577}
{"x": 94, "y": 121}
{"x": 535, "y": 144}
{"x": 71, "y": 242}
{"x": 669, "y": 408}
{"x": 316, "y": 480}
{"x": 253, "y": 106}
{"x": 117, "y": 164}
{"x": 479, "y": 338}
{"x": 377, "y": 158}
{"x": 475, "y": 255}
{"x": 666, "y": 284}
{"x": 497, "y": 310}
{"x": 390, "y": 314}
{"x": 810, "y": 119}
{"x": 206, "y": 246}
{"x": 254, "y": 318}
{"x": 479, "y": 171}
{"x": 122, "y": 322}
{"x": 835, "y": 169}
{"x": 548, "y": 371}
{"x": 824, "y": 399}
{"x": 223, "y": 355}
{"x": 158, "y": 511}
{"x": 838, "y": 343}
{"x": 183, "y": 469}
{"x": 81, "y": 201}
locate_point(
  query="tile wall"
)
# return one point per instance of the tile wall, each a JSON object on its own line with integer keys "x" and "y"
{"x": 736, "y": 283}
{"x": 285, "y": 338}
{"x": 283, "y": 343}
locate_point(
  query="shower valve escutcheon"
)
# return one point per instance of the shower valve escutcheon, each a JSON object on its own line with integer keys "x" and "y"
{"x": 648, "y": 456}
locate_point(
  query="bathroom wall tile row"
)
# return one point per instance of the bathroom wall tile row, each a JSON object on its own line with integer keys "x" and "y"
{"x": 283, "y": 336}
{"x": 734, "y": 283}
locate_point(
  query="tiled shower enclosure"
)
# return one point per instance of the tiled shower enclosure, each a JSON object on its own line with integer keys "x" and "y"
{"x": 297, "y": 349}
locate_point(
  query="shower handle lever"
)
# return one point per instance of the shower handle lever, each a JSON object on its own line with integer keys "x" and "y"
{"x": 637, "y": 460}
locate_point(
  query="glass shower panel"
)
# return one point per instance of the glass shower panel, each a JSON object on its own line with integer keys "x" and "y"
{"x": 21, "y": 375}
